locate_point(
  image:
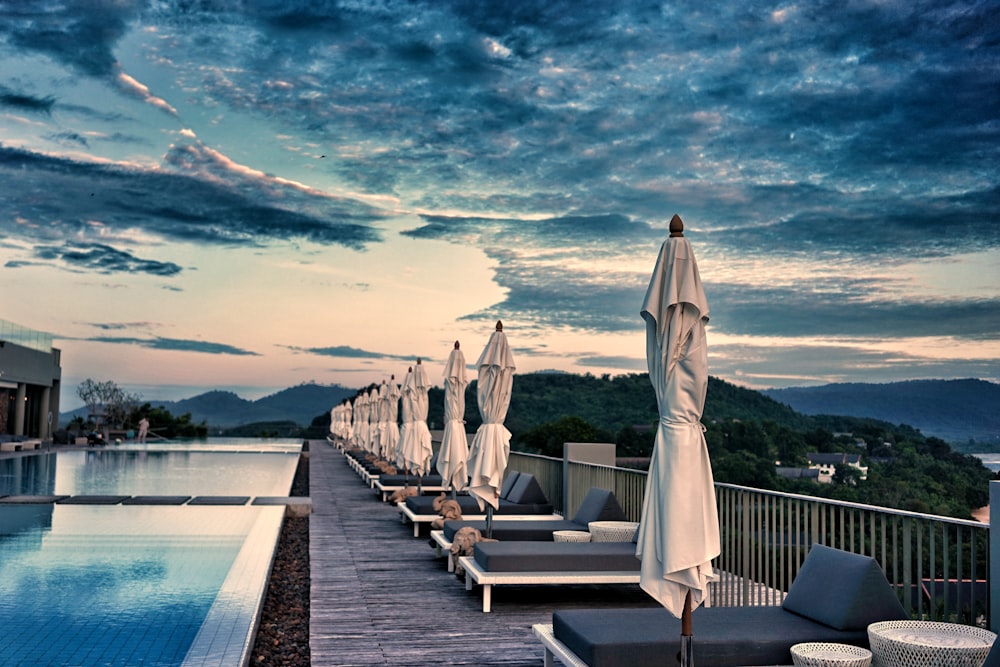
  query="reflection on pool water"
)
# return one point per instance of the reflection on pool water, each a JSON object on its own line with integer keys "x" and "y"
{"x": 233, "y": 469}
{"x": 119, "y": 586}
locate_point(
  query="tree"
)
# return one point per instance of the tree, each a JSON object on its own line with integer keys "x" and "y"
{"x": 548, "y": 439}
{"x": 107, "y": 403}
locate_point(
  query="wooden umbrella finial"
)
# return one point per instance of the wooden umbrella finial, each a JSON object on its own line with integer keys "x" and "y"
{"x": 499, "y": 325}
{"x": 676, "y": 226}
{"x": 456, "y": 344}
{"x": 418, "y": 360}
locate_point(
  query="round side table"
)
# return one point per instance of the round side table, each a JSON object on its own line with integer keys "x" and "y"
{"x": 821, "y": 654}
{"x": 928, "y": 644}
{"x": 612, "y": 531}
{"x": 570, "y": 536}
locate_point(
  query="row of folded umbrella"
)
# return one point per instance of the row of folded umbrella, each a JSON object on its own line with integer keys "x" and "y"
{"x": 370, "y": 421}
{"x": 679, "y": 527}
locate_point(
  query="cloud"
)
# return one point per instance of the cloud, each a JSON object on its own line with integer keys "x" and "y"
{"x": 101, "y": 258}
{"x": 81, "y": 36}
{"x": 788, "y": 311}
{"x": 348, "y": 352}
{"x": 558, "y": 272}
{"x": 228, "y": 209}
{"x": 15, "y": 100}
{"x": 175, "y": 344}
{"x": 621, "y": 362}
{"x": 852, "y": 361}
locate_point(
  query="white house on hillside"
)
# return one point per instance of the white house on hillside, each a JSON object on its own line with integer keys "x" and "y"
{"x": 827, "y": 464}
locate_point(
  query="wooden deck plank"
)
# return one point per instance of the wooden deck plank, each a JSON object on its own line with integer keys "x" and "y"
{"x": 380, "y": 597}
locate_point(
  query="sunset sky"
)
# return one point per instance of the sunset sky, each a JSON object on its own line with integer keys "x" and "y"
{"x": 247, "y": 195}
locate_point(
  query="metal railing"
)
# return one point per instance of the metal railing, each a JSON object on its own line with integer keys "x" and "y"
{"x": 939, "y": 566}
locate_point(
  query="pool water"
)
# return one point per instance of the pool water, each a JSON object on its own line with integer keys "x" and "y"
{"x": 154, "y": 470}
{"x": 137, "y": 585}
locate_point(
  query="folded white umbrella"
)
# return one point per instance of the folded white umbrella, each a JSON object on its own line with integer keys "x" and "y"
{"x": 679, "y": 527}
{"x": 491, "y": 445}
{"x": 348, "y": 420}
{"x": 421, "y": 434}
{"x": 361, "y": 420}
{"x": 382, "y": 410}
{"x": 406, "y": 453}
{"x": 453, "y": 456}
{"x": 391, "y": 407}
{"x": 373, "y": 405}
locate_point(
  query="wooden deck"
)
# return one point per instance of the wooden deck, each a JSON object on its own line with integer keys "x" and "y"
{"x": 380, "y": 597}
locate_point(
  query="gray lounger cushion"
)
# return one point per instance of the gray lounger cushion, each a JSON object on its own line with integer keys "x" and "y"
{"x": 425, "y": 504}
{"x": 843, "y": 590}
{"x": 526, "y": 491}
{"x": 556, "y": 556}
{"x": 509, "y": 479}
{"x": 412, "y": 480}
{"x": 723, "y": 636}
{"x": 599, "y": 505}
{"x": 518, "y": 530}
{"x": 993, "y": 659}
{"x": 832, "y": 587}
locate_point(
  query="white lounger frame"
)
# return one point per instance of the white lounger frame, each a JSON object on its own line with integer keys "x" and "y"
{"x": 405, "y": 513}
{"x": 555, "y": 648}
{"x": 386, "y": 490}
{"x": 476, "y": 575}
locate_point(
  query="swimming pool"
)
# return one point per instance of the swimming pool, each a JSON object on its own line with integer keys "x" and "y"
{"x": 126, "y": 585}
{"x": 229, "y": 468}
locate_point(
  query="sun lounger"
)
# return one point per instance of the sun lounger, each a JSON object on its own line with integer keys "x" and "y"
{"x": 834, "y": 598}
{"x": 520, "y": 563}
{"x": 598, "y": 505}
{"x": 521, "y": 496}
{"x": 386, "y": 485}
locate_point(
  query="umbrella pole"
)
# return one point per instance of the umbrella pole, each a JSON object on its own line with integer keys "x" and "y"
{"x": 489, "y": 522}
{"x": 687, "y": 640}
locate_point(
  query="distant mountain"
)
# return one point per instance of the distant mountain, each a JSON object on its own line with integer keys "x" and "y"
{"x": 300, "y": 404}
{"x": 956, "y": 411}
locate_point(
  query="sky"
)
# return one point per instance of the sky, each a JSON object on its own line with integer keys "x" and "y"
{"x": 253, "y": 194}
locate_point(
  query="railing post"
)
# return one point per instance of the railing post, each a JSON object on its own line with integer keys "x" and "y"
{"x": 994, "y": 602}
{"x": 565, "y": 484}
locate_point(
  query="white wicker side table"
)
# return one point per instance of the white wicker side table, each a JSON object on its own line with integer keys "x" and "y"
{"x": 928, "y": 644}
{"x": 612, "y": 531}
{"x": 822, "y": 654}
{"x": 570, "y": 536}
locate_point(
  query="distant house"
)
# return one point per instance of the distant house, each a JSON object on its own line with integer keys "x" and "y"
{"x": 808, "y": 474}
{"x": 826, "y": 464}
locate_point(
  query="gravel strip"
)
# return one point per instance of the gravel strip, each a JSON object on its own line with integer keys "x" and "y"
{"x": 283, "y": 636}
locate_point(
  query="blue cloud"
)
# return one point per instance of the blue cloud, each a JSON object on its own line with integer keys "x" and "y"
{"x": 178, "y": 207}
{"x": 102, "y": 258}
{"x": 348, "y": 352}
{"x": 16, "y": 100}
{"x": 177, "y": 344}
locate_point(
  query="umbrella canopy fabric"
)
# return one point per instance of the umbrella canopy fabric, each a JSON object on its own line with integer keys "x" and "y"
{"x": 679, "y": 527}
{"x": 373, "y": 405}
{"x": 453, "y": 457}
{"x": 361, "y": 420}
{"x": 348, "y": 420}
{"x": 339, "y": 421}
{"x": 423, "y": 449}
{"x": 383, "y": 419}
{"x": 391, "y": 407}
{"x": 406, "y": 443}
{"x": 491, "y": 445}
